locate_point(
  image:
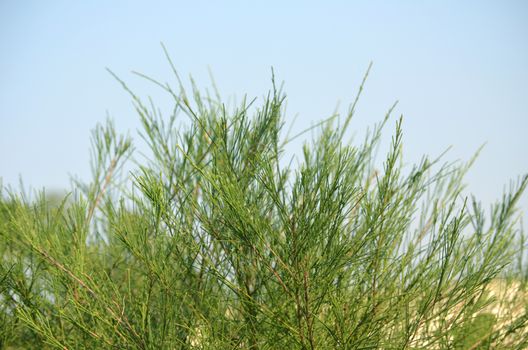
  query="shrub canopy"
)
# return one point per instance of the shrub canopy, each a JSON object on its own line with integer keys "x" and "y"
{"x": 217, "y": 241}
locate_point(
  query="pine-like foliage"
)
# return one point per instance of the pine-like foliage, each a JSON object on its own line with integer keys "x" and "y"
{"x": 217, "y": 241}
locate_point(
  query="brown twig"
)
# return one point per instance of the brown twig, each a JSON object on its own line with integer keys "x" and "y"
{"x": 107, "y": 180}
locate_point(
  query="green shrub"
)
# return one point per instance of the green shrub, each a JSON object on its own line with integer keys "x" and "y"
{"x": 476, "y": 333}
{"x": 217, "y": 241}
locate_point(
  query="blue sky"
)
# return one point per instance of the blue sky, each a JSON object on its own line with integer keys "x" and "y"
{"x": 458, "y": 68}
